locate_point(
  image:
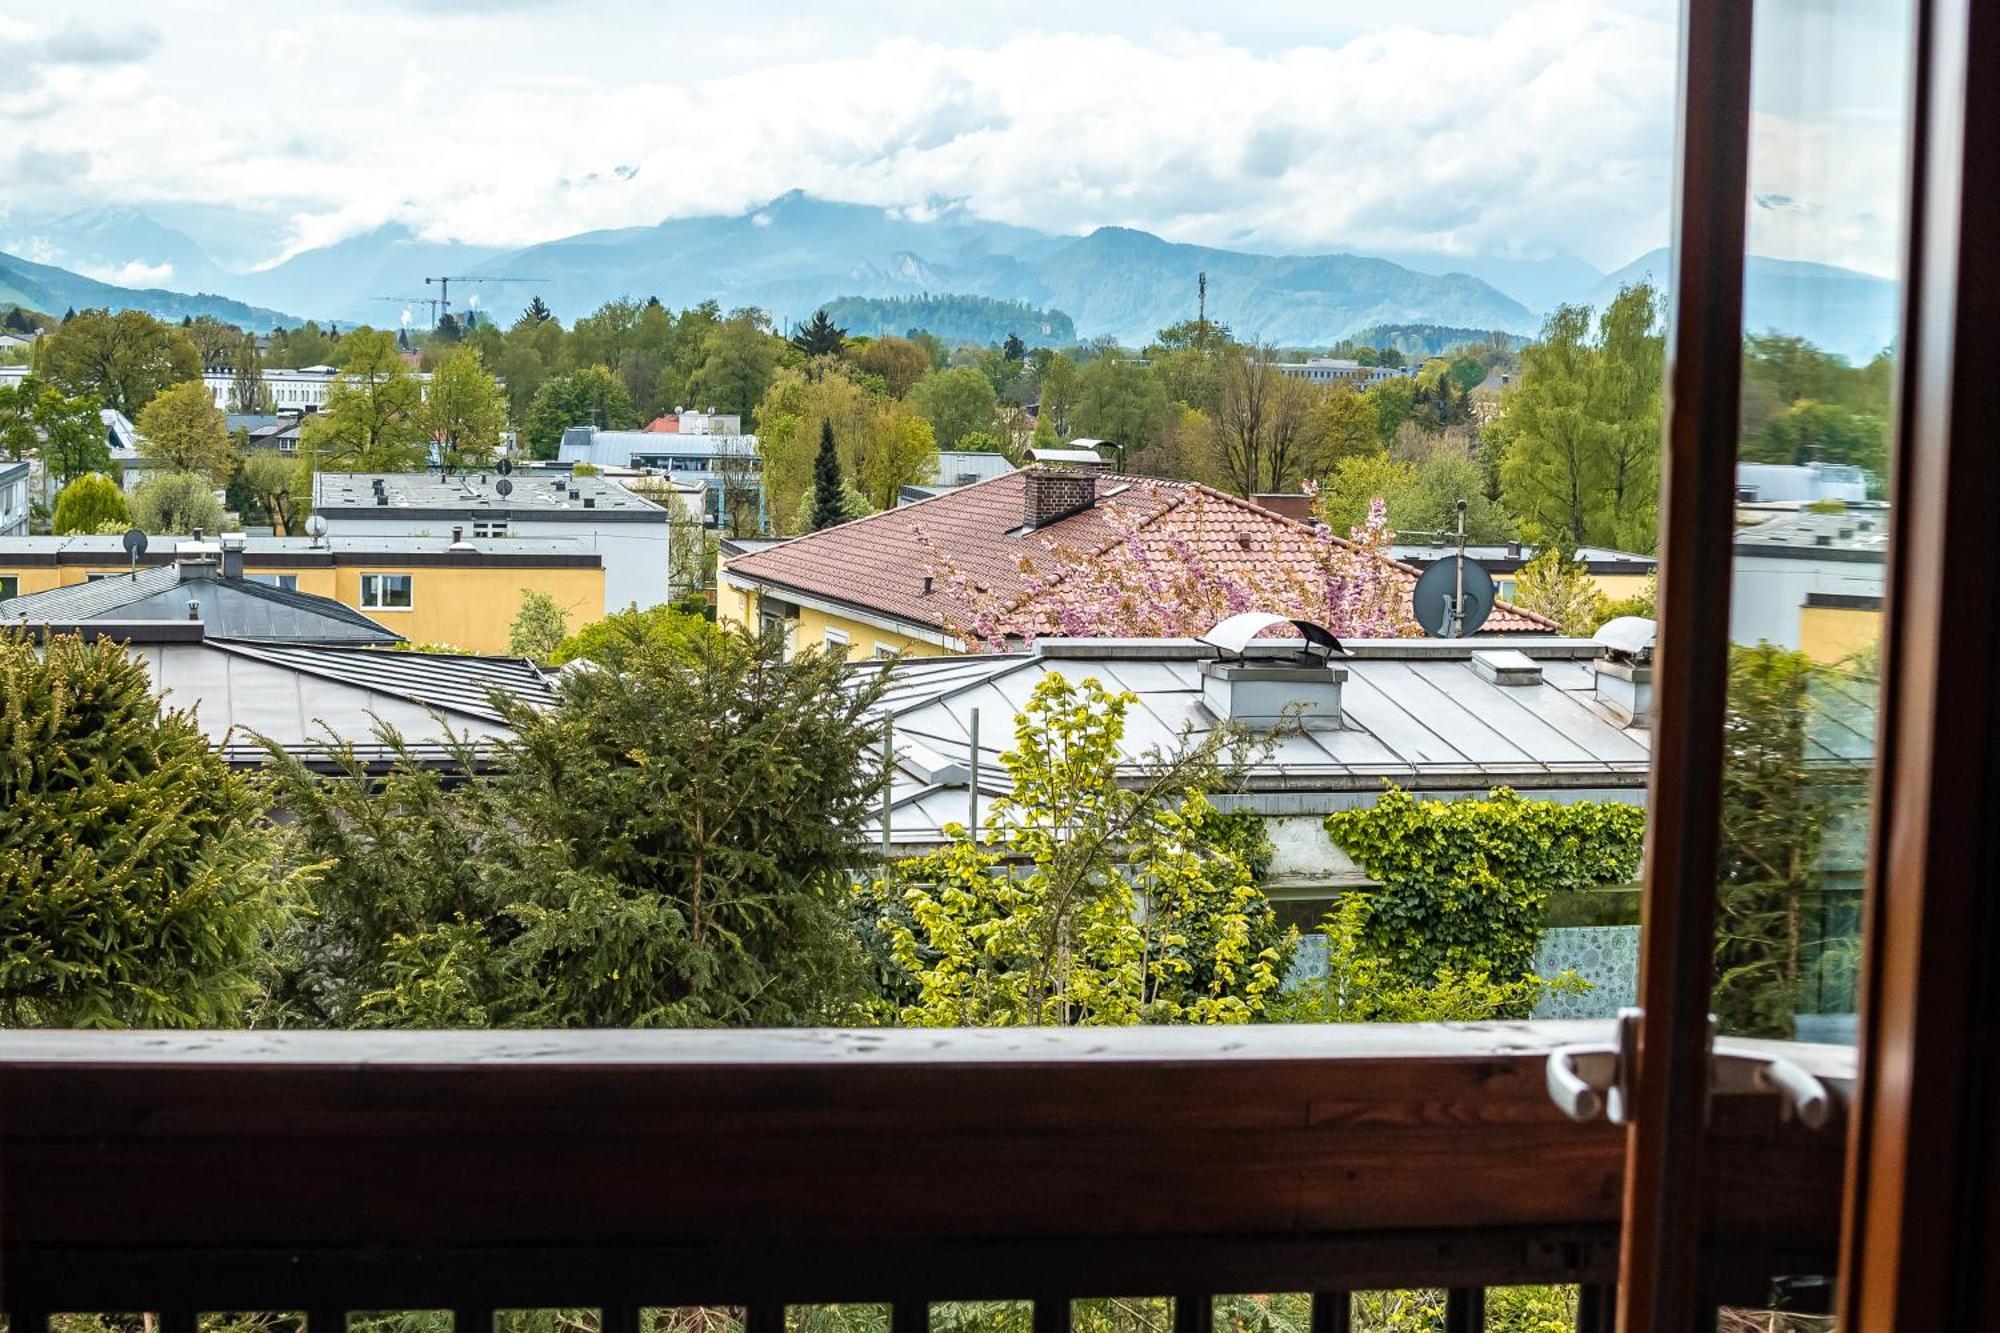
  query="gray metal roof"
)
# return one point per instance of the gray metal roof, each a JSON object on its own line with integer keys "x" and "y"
{"x": 475, "y": 495}
{"x": 617, "y": 448}
{"x": 445, "y": 681}
{"x": 1414, "y": 712}
{"x": 228, "y": 607}
{"x": 111, "y": 546}
{"x": 1860, "y": 533}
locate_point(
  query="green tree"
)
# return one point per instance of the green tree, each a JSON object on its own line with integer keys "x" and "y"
{"x": 181, "y": 431}
{"x": 819, "y": 336}
{"x": 136, "y": 877}
{"x": 1816, "y": 432}
{"x": 18, "y": 436}
{"x": 788, "y": 433}
{"x": 956, "y": 402}
{"x": 610, "y": 640}
{"x": 897, "y": 449}
{"x": 91, "y": 503}
{"x": 539, "y": 627}
{"x": 829, "y": 507}
{"x": 464, "y": 410}
{"x": 72, "y": 434}
{"x": 738, "y": 359}
{"x": 372, "y": 419}
{"x": 119, "y": 360}
{"x": 1117, "y": 400}
{"x": 1084, "y": 900}
{"x": 1556, "y": 586}
{"x": 591, "y": 396}
{"x": 278, "y": 484}
{"x": 1422, "y": 497}
{"x": 1580, "y": 430}
{"x": 647, "y": 857}
{"x": 900, "y": 363}
{"x": 177, "y": 502}
{"x": 248, "y": 394}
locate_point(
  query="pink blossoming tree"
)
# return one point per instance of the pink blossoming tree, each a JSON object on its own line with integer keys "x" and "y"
{"x": 1151, "y": 582}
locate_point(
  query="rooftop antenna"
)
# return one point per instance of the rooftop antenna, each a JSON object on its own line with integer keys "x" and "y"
{"x": 1201, "y": 301}
{"x": 1454, "y": 596}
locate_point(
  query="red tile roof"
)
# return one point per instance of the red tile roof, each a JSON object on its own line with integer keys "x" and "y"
{"x": 879, "y": 563}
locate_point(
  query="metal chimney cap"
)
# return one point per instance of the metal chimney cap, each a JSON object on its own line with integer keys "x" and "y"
{"x": 1233, "y": 635}
{"x": 1628, "y": 637}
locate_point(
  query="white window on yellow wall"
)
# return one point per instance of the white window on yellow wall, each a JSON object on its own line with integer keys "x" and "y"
{"x": 288, "y": 582}
{"x": 836, "y": 641}
{"x": 385, "y": 592}
{"x": 10, "y": 586}
{"x": 884, "y": 649}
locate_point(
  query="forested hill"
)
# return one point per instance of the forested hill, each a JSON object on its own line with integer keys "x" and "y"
{"x": 1422, "y": 341}
{"x": 953, "y": 317}
{"x": 53, "y": 290}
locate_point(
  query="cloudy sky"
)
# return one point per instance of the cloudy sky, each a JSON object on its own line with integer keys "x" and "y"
{"x": 1451, "y": 126}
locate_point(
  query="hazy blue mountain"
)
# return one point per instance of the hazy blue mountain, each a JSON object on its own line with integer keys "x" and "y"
{"x": 53, "y": 290}
{"x": 1132, "y": 283}
{"x": 974, "y": 319}
{"x": 1838, "y": 309}
{"x": 120, "y": 245}
{"x": 1539, "y": 284}
{"x": 343, "y": 282}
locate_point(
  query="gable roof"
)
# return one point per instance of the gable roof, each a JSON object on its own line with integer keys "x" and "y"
{"x": 234, "y": 608}
{"x": 878, "y": 563}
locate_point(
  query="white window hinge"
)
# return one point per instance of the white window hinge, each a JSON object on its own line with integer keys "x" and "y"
{"x": 1589, "y": 1081}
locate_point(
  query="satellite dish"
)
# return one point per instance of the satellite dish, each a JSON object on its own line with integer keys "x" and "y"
{"x": 134, "y": 543}
{"x": 504, "y": 466}
{"x": 1454, "y": 583}
{"x": 316, "y": 526}
{"x": 504, "y": 486}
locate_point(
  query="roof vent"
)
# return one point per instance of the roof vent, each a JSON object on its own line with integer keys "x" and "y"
{"x": 1622, "y": 679}
{"x": 233, "y": 546}
{"x": 1276, "y": 687}
{"x": 589, "y": 501}
{"x": 1507, "y": 667}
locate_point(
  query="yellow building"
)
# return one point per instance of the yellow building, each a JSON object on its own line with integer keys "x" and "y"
{"x": 427, "y": 589}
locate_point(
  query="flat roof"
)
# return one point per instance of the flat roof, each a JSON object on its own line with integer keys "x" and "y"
{"x": 97, "y": 549}
{"x": 1857, "y": 535}
{"x": 475, "y": 495}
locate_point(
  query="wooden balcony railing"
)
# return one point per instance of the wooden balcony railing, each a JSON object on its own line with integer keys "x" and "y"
{"x": 334, "y": 1172}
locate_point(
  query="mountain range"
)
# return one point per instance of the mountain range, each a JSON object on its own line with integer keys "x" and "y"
{"x": 797, "y": 253}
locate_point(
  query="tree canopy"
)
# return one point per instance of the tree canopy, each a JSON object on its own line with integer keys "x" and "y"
{"x": 119, "y": 360}
{"x": 181, "y": 431}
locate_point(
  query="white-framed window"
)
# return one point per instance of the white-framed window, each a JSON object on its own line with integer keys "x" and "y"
{"x": 385, "y": 592}
{"x": 836, "y": 641}
{"x": 10, "y": 586}
{"x": 489, "y": 527}
{"x": 884, "y": 649}
{"x": 288, "y": 582}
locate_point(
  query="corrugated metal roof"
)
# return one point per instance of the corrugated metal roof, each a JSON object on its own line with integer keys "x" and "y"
{"x": 444, "y": 681}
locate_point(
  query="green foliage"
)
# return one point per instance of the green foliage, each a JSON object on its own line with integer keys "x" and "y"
{"x": 119, "y": 360}
{"x": 829, "y": 504}
{"x": 372, "y": 421}
{"x": 136, "y": 886}
{"x": 591, "y": 396}
{"x": 957, "y": 319}
{"x": 1420, "y": 496}
{"x": 177, "y": 502}
{"x": 281, "y": 487}
{"x": 65, "y": 432}
{"x": 669, "y": 846}
{"x": 1776, "y": 806}
{"x": 1580, "y": 431}
{"x": 1040, "y": 920}
{"x": 1561, "y": 588}
{"x": 89, "y": 504}
{"x": 738, "y": 358}
{"x": 1465, "y": 884}
{"x": 819, "y": 336}
{"x": 248, "y": 394}
{"x": 539, "y": 627}
{"x": 181, "y": 431}
{"x": 1361, "y": 986}
{"x": 464, "y": 410}
{"x": 957, "y": 402}
{"x": 620, "y": 635}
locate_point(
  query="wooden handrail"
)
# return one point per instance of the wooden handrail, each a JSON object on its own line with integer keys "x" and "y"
{"x": 280, "y": 1170}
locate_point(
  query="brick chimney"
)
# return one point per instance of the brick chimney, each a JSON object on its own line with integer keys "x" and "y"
{"x": 1056, "y": 493}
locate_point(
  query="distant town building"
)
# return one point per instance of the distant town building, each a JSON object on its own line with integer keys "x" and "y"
{"x": 1811, "y": 581}
{"x": 13, "y": 504}
{"x": 956, "y": 468}
{"x": 724, "y": 461}
{"x": 427, "y": 589}
{"x": 1340, "y": 370}
{"x": 302, "y": 390}
{"x": 628, "y": 531}
{"x": 1764, "y": 483}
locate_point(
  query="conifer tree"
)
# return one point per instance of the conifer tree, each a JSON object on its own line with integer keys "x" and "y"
{"x": 820, "y": 336}
{"x": 829, "y": 505}
{"x": 135, "y": 875}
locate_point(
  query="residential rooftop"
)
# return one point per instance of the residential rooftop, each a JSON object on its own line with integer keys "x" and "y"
{"x": 886, "y": 563}
{"x": 193, "y": 590}
{"x": 476, "y": 495}
{"x": 99, "y": 549}
{"x": 1857, "y": 533}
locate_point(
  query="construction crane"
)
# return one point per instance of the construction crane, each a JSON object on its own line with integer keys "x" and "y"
{"x": 430, "y": 301}
{"x": 444, "y": 287}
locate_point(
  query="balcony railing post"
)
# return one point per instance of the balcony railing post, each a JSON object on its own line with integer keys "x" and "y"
{"x": 1332, "y": 1312}
{"x": 1194, "y": 1313}
{"x": 1052, "y": 1316}
{"x": 472, "y": 1319}
{"x": 619, "y": 1319}
{"x": 1465, "y": 1310}
{"x": 764, "y": 1317}
{"x": 908, "y": 1316}
{"x": 326, "y": 1321}
{"x": 1597, "y": 1308}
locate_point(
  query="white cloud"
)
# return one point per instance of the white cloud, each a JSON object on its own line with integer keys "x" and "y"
{"x": 1297, "y": 126}
{"x": 137, "y": 273}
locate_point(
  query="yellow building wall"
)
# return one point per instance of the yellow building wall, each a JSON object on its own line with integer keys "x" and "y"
{"x": 1833, "y": 633}
{"x": 1617, "y": 587}
{"x": 738, "y": 606}
{"x": 465, "y": 607}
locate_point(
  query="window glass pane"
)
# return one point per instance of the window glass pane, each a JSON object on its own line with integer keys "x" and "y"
{"x": 1829, "y": 90}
